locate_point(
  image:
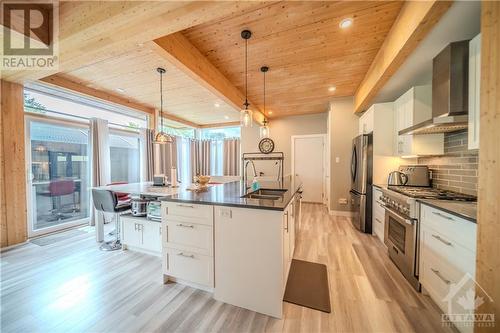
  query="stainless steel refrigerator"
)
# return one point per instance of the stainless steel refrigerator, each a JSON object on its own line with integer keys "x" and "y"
{"x": 361, "y": 182}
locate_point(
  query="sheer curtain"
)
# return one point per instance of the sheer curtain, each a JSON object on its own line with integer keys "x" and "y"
{"x": 147, "y": 139}
{"x": 231, "y": 157}
{"x": 216, "y": 157}
{"x": 101, "y": 172}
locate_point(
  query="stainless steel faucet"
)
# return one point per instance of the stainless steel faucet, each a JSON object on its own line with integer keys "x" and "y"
{"x": 245, "y": 170}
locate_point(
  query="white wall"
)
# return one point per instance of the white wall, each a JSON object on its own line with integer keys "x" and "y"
{"x": 343, "y": 127}
{"x": 281, "y": 131}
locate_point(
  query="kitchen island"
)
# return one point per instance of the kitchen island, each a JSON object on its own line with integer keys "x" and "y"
{"x": 228, "y": 239}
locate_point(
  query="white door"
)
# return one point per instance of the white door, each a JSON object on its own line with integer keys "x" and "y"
{"x": 308, "y": 165}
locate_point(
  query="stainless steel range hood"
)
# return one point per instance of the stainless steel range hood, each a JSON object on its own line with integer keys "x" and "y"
{"x": 450, "y": 92}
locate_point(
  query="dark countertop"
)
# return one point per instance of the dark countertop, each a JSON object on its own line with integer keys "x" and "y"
{"x": 229, "y": 194}
{"x": 463, "y": 209}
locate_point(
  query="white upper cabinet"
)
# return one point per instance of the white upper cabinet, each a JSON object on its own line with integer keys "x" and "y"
{"x": 474, "y": 89}
{"x": 366, "y": 121}
{"x": 414, "y": 107}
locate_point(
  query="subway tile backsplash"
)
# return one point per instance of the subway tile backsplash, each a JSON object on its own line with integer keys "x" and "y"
{"x": 457, "y": 169}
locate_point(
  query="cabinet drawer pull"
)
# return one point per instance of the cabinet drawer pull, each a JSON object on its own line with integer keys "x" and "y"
{"x": 376, "y": 219}
{"x": 183, "y": 205}
{"x": 443, "y": 216}
{"x": 435, "y": 271}
{"x": 186, "y": 255}
{"x": 185, "y": 225}
{"x": 442, "y": 240}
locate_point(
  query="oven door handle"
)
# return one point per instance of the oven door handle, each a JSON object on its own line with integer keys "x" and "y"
{"x": 407, "y": 220}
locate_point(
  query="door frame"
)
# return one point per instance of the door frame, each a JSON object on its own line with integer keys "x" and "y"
{"x": 29, "y": 202}
{"x": 325, "y": 162}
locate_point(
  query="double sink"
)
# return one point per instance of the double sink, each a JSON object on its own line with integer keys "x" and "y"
{"x": 265, "y": 194}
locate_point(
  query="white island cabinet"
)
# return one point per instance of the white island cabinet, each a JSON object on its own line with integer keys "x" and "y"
{"x": 253, "y": 252}
{"x": 188, "y": 244}
{"x": 241, "y": 254}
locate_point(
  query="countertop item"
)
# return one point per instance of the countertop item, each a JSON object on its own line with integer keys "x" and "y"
{"x": 465, "y": 210}
{"x": 229, "y": 194}
{"x": 146, "y": 188}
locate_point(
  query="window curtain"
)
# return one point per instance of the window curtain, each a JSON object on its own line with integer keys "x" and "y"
{"x": 101, "y": 164}
{"x": 231, "y": 157}
{"x": 147, "y": 138}
{"x": 184, "y": 164}
{"x": 165, "y": 156}
{"x": 204, "y": 150}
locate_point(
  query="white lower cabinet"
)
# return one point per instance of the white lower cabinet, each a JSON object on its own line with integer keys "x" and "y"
{"x": 378, "y": 215}
{"x": 447, "y": 260}
{"x": 189, "y": 266}
{"x": 141, "y": 234}
{"x": 188, "y": 243}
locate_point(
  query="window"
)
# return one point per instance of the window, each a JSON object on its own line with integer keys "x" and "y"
{"x": 184, "y": 132}
{"x": 71, "y": 106}
{"x": 220, "y": 133}
{"x": 125, "y": 158}
{"x": 59, "y": 163}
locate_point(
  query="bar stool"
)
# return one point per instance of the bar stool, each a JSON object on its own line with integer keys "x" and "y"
{"x": 107, "y": 202}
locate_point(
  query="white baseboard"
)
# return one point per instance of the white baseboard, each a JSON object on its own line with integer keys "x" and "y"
{"x": 341, "y": 213}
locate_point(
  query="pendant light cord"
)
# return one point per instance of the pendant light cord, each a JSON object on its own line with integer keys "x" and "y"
{"x": 246, "y": 74}
{"x": 161, "y": 101}
{"x": 264, "y": 93}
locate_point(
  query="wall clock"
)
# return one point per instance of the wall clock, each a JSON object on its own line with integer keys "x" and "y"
{"x": 266, "y": 146}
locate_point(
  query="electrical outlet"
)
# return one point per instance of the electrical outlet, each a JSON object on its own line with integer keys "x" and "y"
{"x": 225, "y": 212}
{"x": 337, "y": 159}
{"x": 343, "y": 201}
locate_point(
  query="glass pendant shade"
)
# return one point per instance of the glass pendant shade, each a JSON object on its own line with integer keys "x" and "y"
{"x": 162, "y": 138}
{"x": 246, "y": 119}
{"x": 264, "y": 131}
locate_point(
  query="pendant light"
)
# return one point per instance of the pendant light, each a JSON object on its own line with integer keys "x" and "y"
{"x": 162, "y": 137}
{"x": 246, "y": 118}
{"x": 264, "y": 129}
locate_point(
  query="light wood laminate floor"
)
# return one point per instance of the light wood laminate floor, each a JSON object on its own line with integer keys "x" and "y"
{"x": 71, "y": 286}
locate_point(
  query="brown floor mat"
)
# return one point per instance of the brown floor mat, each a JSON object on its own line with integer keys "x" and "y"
{"x": 307, "y": 285}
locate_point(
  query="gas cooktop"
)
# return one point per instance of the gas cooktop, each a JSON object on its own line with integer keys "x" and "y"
{"x": 431, "y": 193}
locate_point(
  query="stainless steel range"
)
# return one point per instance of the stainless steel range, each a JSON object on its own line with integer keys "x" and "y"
{"x": 402, "y": 211}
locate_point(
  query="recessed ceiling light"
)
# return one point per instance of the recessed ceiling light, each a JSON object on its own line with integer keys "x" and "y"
{"x": 216, "y": 105}
{"x": 120, "y": 90}
{"x": 226, "y": 117}
{"x": 346, "y": 23}
{"x": 332, "y": 88}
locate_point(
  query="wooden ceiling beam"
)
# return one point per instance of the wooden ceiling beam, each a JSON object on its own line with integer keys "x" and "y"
{"x": 61, "y": 82}
{"x": 178, "y": 50}
{"x": 414, "y": 21}
{"x": 91, "y": 31}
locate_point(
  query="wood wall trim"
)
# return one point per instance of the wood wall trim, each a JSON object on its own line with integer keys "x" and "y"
{"x": 488, "y": 238}
{"x": 178, "y": 50}
{"x": 414, "y": 21}
{"x": 61, "y": 82}
{"x": 14, "y": 220}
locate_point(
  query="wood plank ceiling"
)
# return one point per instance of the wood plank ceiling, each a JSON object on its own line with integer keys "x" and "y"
{"x": 301, "y": 42}
{"x": 303, "y": 45}
{"x": 133, "y": 76}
